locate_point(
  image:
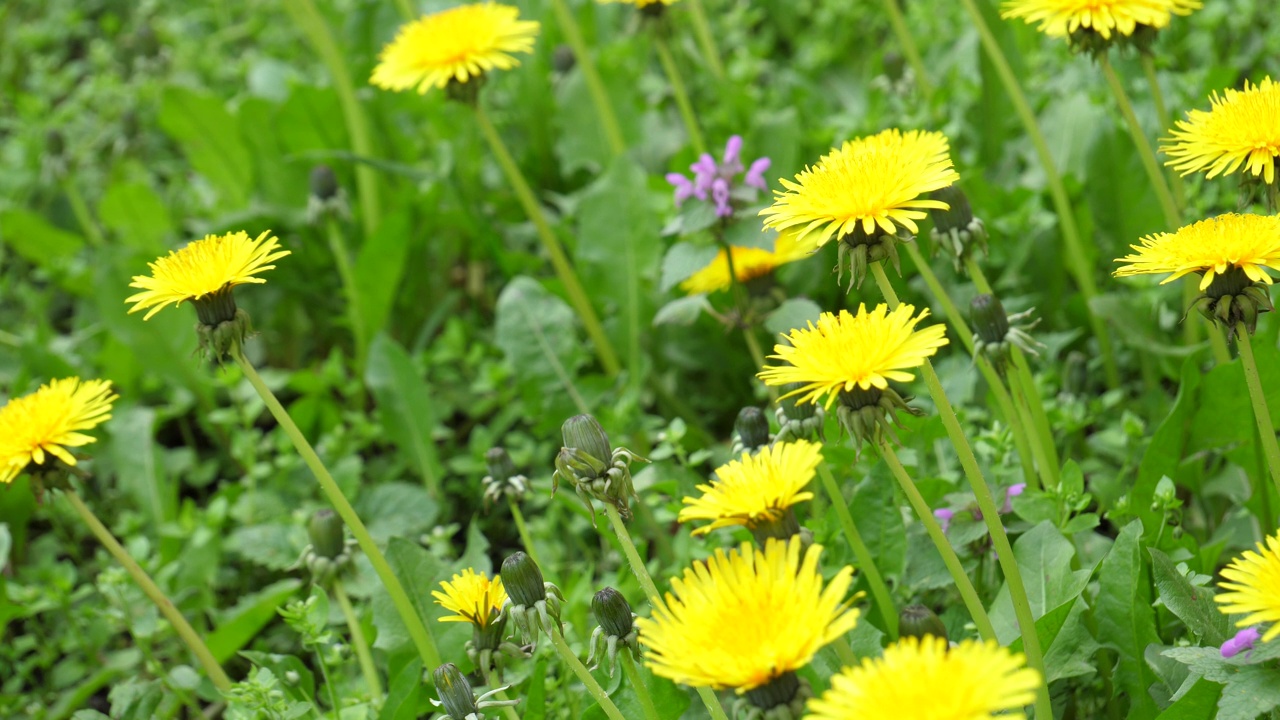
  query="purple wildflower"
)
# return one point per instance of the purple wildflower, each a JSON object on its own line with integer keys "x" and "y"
{"x": 944, "y": 516}
{"x": 715, "y": 181}
{"x": 704, "y": 172}
{"x": 684, "y": 188}
{"x": 732, "y": 164}
{"x": 755, "y": 174}
{"x": 1013, "y": 492}
{"x": 1244, "y": 640}
{"x": 720, "y": 194}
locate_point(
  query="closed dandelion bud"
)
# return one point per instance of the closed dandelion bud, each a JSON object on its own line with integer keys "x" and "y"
{"x": 583, "y": 432}
{"x": 751, "y": 430}
{"x": 325, "y": 530}
{"x": 918, "y": 621}
{"x": 594, "y": 469}
{"x": 55, "y": 143}
{"x": 327, "y": 199}
{"x": 324, "y": 184}
{"x": 956, "y": 230}
{"x": 613, "y": 612}
{"x": 996, "y": 333}
{"x": 533, "y": 603}
{"x": 989, "y": 319}
{"x": 522, "y": 578}
{"x": 798, "y": 420}
{"x": 563, "y": 59}
{"x": 455, "y": 692}
{"x": 503, "y": 478}
{"x": 895, "y": 66}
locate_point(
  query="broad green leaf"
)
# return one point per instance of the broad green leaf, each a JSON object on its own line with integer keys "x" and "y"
{"x": 1044, "y": 557}
{"x": 241, "y": 623}
{"x": 137, "y": 472}
{"x": 791, "y": 314}
{"x": 420, "y": 573}
{"x": 682, "y": 311}
{"x": 210, "y": 139}
{"x": 1251, "y": 692}
{"x": 397, "y": 509}
{"x": 1199, "y": 703}
{"x": 683, "y": 260}
{"x": 404, "y": 693}
{"x": 581, "y": 142}
{"x": 379, "y": 267}
{"x": 1165, "y": 450}
{"x": 538, "y": 334}
{"x": 535, "y": 698}
{"x": 878, "y": 521}
{"x": 275, "y": 546}
{"x": 139, "y": 217}
{"x": 1126, "y": 620}
{"x": 1193, "y": 605}
{"x": 32, "y": 237}
{"x": 405, "y": 407}
{"x": 305, "y": 687}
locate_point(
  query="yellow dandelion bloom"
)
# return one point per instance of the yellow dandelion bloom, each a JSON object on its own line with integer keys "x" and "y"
{"x": 1241, "y": 128}
{"x": 1213, "y": 246}
{"x": 202, "y": 268}
{"x": 458, "y": 44}
{"x": 1255, "y": 587}
{"x": 846, "y": 351}
{"x": 923, "y": 678}
{"x": 748, "y": 264}
{"x": 638, "y": 3}
{"x": 473, "y": 596}
{"x": 743, "y": 618}
{"x": 1058, "y": 18}
{"x": 755, "y": 488}
{"x": 869, "y": 182}
{"x": 49, "y": 420}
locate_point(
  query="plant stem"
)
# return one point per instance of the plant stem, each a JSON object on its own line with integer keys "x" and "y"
{"x": 637, "y": 682}
{"x": 651, "y": 592}
{"x": 584, "y": 675}
{"x": 990, "y": 514}
{"x": 406, "y": 10}
{"x": 341, "y": 258}
{"x": 963, "y": 583}
{"x": 1261, "y": 414}
{"x": 551, "y": 244}
{"x": 523, "y": 530}
{"x": 1166, "y": 122}
{"x": 1077, "y": 255}
{"x": 599, "y": 96}
{"x": 422, "y": 639}
{"x": 908, "y": 45}
{"x": 81, "y": 210}
{"x": 359, "y": 642}
{"x": 681, "y": 95}
{"x": 1172, "y": 214}
{"x": 313, "y": 25}
{"x": 153, "y": 592}
{"x": 324, "y": 675}
{"x": 740, "y": 300}
{"x": 706, "y": 41}
{"x": 866, "y": 561}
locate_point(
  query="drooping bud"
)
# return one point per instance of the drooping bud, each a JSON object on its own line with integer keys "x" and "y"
{"x": 455, "y": 692}
{"x": 583, "y": 432}
{"x": 918, "y": 621}
{"x": 613, "y": 612}
{"x": 751, "y": 430}
{"x": 955, "y": 230}
{"x": 995, "y": 333}
{"x": 325, "y": 530}
{"x": 503, "y": 478}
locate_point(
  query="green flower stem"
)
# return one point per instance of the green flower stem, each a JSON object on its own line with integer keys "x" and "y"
{"x": 584, "y": 675}
{"x": 866, "y": 561}
{"x": 81, "y": 210}
{"x": 740, "y": 299}
{"x": 990, "y": 514}
{"x": 1021, "y": 439}
{"x": 1266, "y": 430}
{"x": 844, "y": 650}
{"x": 599, "y": 96}
{"x": 1048, "y": 472}
{"x": 1172, "y": 213}
{"x": 637, "y": 683}
{"x": 651, "y": 592}
{"x": 523, "y": 530}
{"x": 153, "y": 592}
{"x": 1077, "y": 255}
{"x": 408, "y": 614}
{"x": 551, "y": 244}
{"x": 355, "y": 317}
{"x": 359, "y": 642}
{"x": 908, "y": 45}
{"x": 963, "y": 583}
{"x": 324, "y": 676}
{"x": 1166, "y": 122}
{"x": 312, "y": 23}
{"x": 406, "y": 10}
{"x": 706, "y": 41}
{"x": 680, "y": 94}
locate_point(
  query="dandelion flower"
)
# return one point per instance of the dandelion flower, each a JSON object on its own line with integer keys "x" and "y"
{"x": 49, "y": 421}
{"x": 868, "y": 183}
{"x": 845, "y": 351}
{"x": 473, "y": 596}
{"x": 1059, "y": 18}
{"x": 747, "y": 617}
{"x": 638, "y": 3}
{"x": 455, "y": 45}
{"x": 923, "y": 678}
{"x": 1241, "y": 128}
{"x": 1254, "y": 587}
{"x": 755, "y": 489}
{"x": 1213, "y": 247}
{"x": 205, "y": 269}
{"x": 748, "y": 264}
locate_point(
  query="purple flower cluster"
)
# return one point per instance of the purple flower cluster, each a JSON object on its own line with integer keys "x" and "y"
{"x": 1244, "y": 640}
{"x": 715, "y": 180}
{"x": 944, "y": 515}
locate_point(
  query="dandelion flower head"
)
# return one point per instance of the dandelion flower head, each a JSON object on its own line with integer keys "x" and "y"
{"x": 749, "y": 263}
{"x": 202, "y": 268}
{"x": 459, "y": 44}
{"x": 1252, "y": 583}
{"x": 745, "y": 617}
{"x": 472, "y": 596}
{"x": 1058, "y": 18}
{"x": 49, "y": 421}
{"x": 973, "y": 681}
{"x": 755, "y": 488}
{"x": 873, "y": 182}
{"x": 845, "y": 351}
{"x": 1213, "y": 246}
{"x": 1241, "y": 128}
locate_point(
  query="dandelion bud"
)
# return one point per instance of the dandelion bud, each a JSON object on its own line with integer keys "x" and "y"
{"x": 562, "y": 59}
{"x": 583, "y": 432}
{"x": 523, "y": 579}
{"x": 455, "y": 692}
{"x": 503, "y": 478}
{"x": 918, "y": 621}
{"x": 325, "y": 530}
{"x": 324, "y": 184}
{"x": 55, "y": 143}
{"x": 534, "y": 604}
{"x": 752, "y": 429}
{"x": 894, "y": 65}
{"x": 996, "y": 333}
{"x": 613, "y": 612}
{"x": 989, "y": 319}
{"x": 955, "y": 230}
{"x": 499, "y": 464}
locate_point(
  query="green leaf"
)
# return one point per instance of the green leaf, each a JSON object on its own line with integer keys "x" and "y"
{"x": 538, "y": 334}
{"x": 1251, "y": 692}
{"x": 420, "y": 573}
{"x": 682, "y": 311}
{"x": 1193, "y": 605}
{"x": 139, "y": 217}
{"x": 791, "y": 314}
{"x": 1126, "y": 620}
{"x": 404, "y": 693}
{"x": 133, "y": 457}
{"x": 1044, "y": 557}
{"x": 404, "y": 406}
{"x": 210, "y": 139}
{"x": 32, "y": 237}
{"x": 275, "y": 546}
{"x": 1072, "y": 479}
{"x": 875, "y": 513}
{"x": 241, "y": 623}
{"x": 1164, "y": 452}
{"x": 535, "y": 699}
{"x": 682, "y": 261}
{"x": 1199, "y": 703}
{"x": 302, "y": 690}
{"x": 397, "y": 509}
{"x": 379, "y": 268}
